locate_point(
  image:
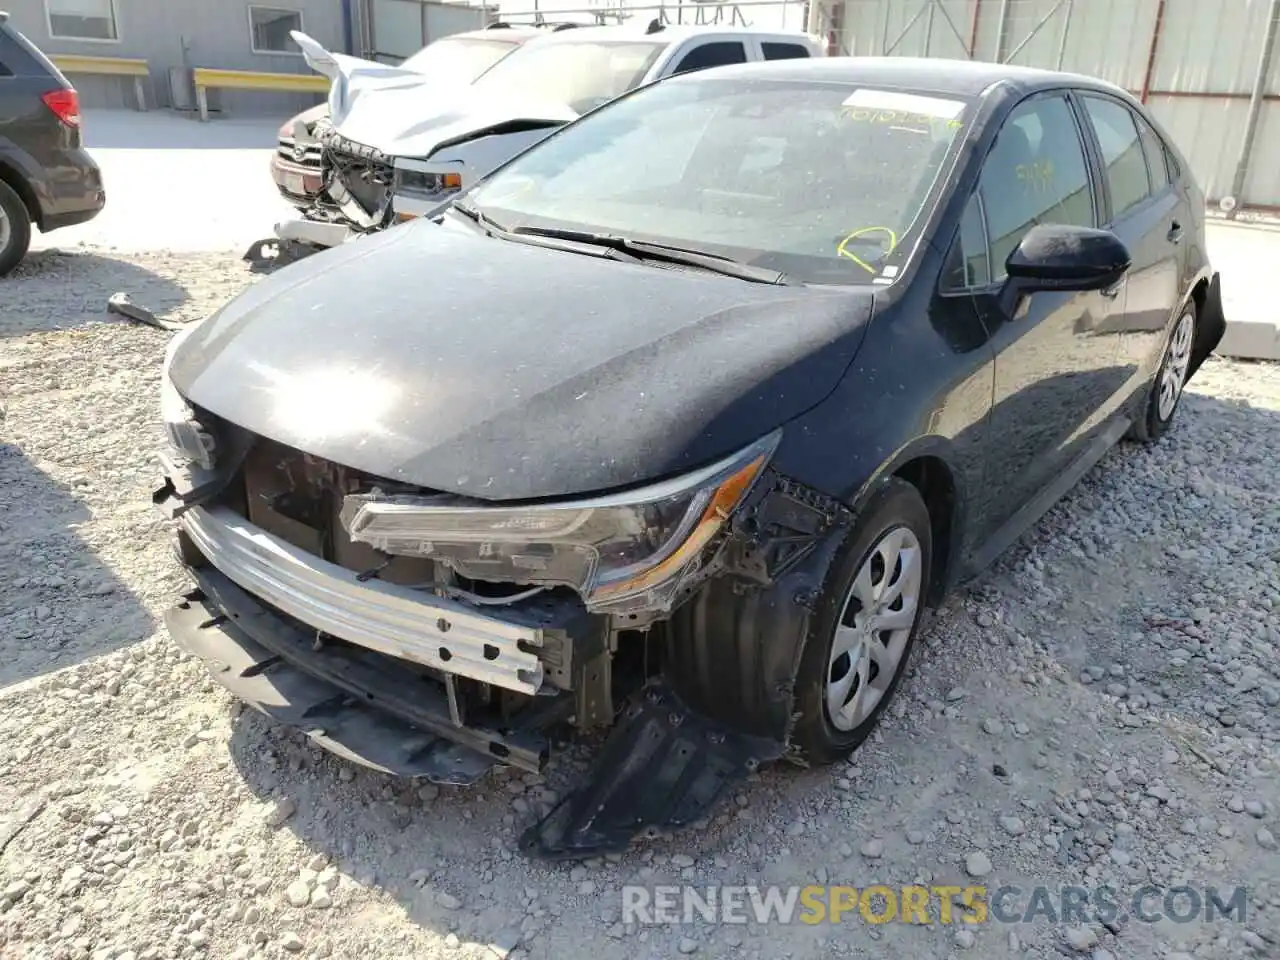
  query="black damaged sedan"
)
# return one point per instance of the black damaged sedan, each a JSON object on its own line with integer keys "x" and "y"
{"x": 676, "y": 423}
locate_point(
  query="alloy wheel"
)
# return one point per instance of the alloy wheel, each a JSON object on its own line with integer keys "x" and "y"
{"x": 874, "y": 628}
{"x": 1173, "y": 375}
{"x": 6, "y": 230}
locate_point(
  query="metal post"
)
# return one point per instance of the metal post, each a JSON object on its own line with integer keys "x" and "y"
{"x": 1001, "y": 29}
{"x": 1255, "y": 105}
{"x": 835, "y": 38}
{"x": 973, "y": 28}
{"x": 928, "y": 26}
{"x": 347, "y": 34}
{"x": 1151, "y": 53}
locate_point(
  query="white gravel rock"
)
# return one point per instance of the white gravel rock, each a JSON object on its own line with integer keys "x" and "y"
{"x": 977, "y": 864}
{"x": 281, "y": 811}
{"x": 1081, "y": 938}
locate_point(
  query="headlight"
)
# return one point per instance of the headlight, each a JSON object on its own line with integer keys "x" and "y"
{"x": 188, "y": 438}
{"x": 428, "y": 187}
{"x": 622, "y": 552}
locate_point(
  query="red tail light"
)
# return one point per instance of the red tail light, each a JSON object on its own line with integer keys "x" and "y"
{"x": 65, "y": 105}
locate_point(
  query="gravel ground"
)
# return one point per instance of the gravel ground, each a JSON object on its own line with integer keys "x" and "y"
{"x": 1100, "y": 708}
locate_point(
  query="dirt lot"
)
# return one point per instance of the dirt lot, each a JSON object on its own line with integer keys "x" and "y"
{"x": 1100, "y": 709}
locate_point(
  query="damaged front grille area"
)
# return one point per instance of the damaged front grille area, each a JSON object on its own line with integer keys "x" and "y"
{"x": 495, "y": 654}
{"x": 359, "y": 179}
{"x": 305, "y": 153}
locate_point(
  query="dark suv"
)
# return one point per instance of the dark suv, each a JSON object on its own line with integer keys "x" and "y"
{"x": 46, "y": 177}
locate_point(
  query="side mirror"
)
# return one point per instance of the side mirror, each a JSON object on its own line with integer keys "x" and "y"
{"x": 1059, "y": 257}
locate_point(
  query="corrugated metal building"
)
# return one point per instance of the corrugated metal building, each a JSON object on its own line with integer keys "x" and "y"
{"x": 175, "y": 35}
{"x": 1209, "y": 71}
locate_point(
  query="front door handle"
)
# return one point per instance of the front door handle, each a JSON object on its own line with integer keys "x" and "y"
{"x": 1175, "y": 233}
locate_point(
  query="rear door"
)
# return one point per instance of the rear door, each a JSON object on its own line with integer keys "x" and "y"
{"x": 1144, "y": 209}
{"x": 1056, "y": 364}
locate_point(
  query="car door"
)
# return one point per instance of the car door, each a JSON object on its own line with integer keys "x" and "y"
{"x": 1056, "y": 372}
{"x": 1146, "y": 212}
{"x": 700, "y": 54}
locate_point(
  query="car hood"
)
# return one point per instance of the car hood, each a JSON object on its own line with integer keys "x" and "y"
{"x": 435, "y": 356}
{"x": 404, "y": 113}
{"x": 465, "y": 113}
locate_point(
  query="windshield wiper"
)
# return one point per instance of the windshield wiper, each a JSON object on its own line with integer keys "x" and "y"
{"x": 537, "y": 238}
{"x": 482, "y": 220}
{"x": 643, "y": 249}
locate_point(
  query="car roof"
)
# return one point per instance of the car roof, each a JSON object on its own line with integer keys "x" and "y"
{"x": 669, "y": 34}
{"x": 966, "y": 78}
{"x": 512, "y": 32}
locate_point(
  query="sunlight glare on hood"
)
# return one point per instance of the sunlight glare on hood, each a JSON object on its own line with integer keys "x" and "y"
{"x": 329, "y": 402}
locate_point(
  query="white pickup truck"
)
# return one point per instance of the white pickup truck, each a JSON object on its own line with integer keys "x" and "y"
{"x": 387, "y": 163}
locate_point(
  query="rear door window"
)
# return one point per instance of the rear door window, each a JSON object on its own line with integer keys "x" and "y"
{"x": 1126, "y": 167}
{"x": 784, "y": 51}
{"x": 1157, "y": 156}
{"x": 6, "y": 53}
{"x": 718, "y": 54}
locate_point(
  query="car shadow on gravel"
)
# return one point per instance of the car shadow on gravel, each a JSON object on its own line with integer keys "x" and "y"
{"x": 59, "y": 603}
{"x": 60, "y": 290}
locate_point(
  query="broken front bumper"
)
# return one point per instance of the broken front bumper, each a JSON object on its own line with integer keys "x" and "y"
{"x": 258, "y": 620}
{"x": 385, "y": 617}
{"x": 357, "y": 709}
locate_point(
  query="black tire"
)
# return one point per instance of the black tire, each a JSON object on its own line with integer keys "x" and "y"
{"x": 15, "y": 232}
{"x": 1152, "y": 421}
{"x": 818, "y": 740}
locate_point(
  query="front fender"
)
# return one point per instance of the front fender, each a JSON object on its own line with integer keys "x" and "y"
{"x": 733, "y": 649}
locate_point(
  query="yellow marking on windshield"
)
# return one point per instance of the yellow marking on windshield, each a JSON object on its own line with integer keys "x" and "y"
{"x": 895, "y": 117}
{"x": 843, "y": 251}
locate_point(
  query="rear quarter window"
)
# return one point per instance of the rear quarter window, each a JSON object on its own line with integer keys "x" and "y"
{"x": 718, "y": 53}
{"x": 19, "y": 57}
{"x": 784, "y": 51}
{"x": 6, "y": 54}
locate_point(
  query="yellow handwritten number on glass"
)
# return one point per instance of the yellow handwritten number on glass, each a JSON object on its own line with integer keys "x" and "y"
{"x": 842, "y": 249}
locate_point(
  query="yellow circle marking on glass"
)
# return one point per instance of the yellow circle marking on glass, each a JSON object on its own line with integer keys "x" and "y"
{"x": 843, "y": 251}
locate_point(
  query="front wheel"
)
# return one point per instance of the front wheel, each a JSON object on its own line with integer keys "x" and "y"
{"x": 865, "y": 627}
